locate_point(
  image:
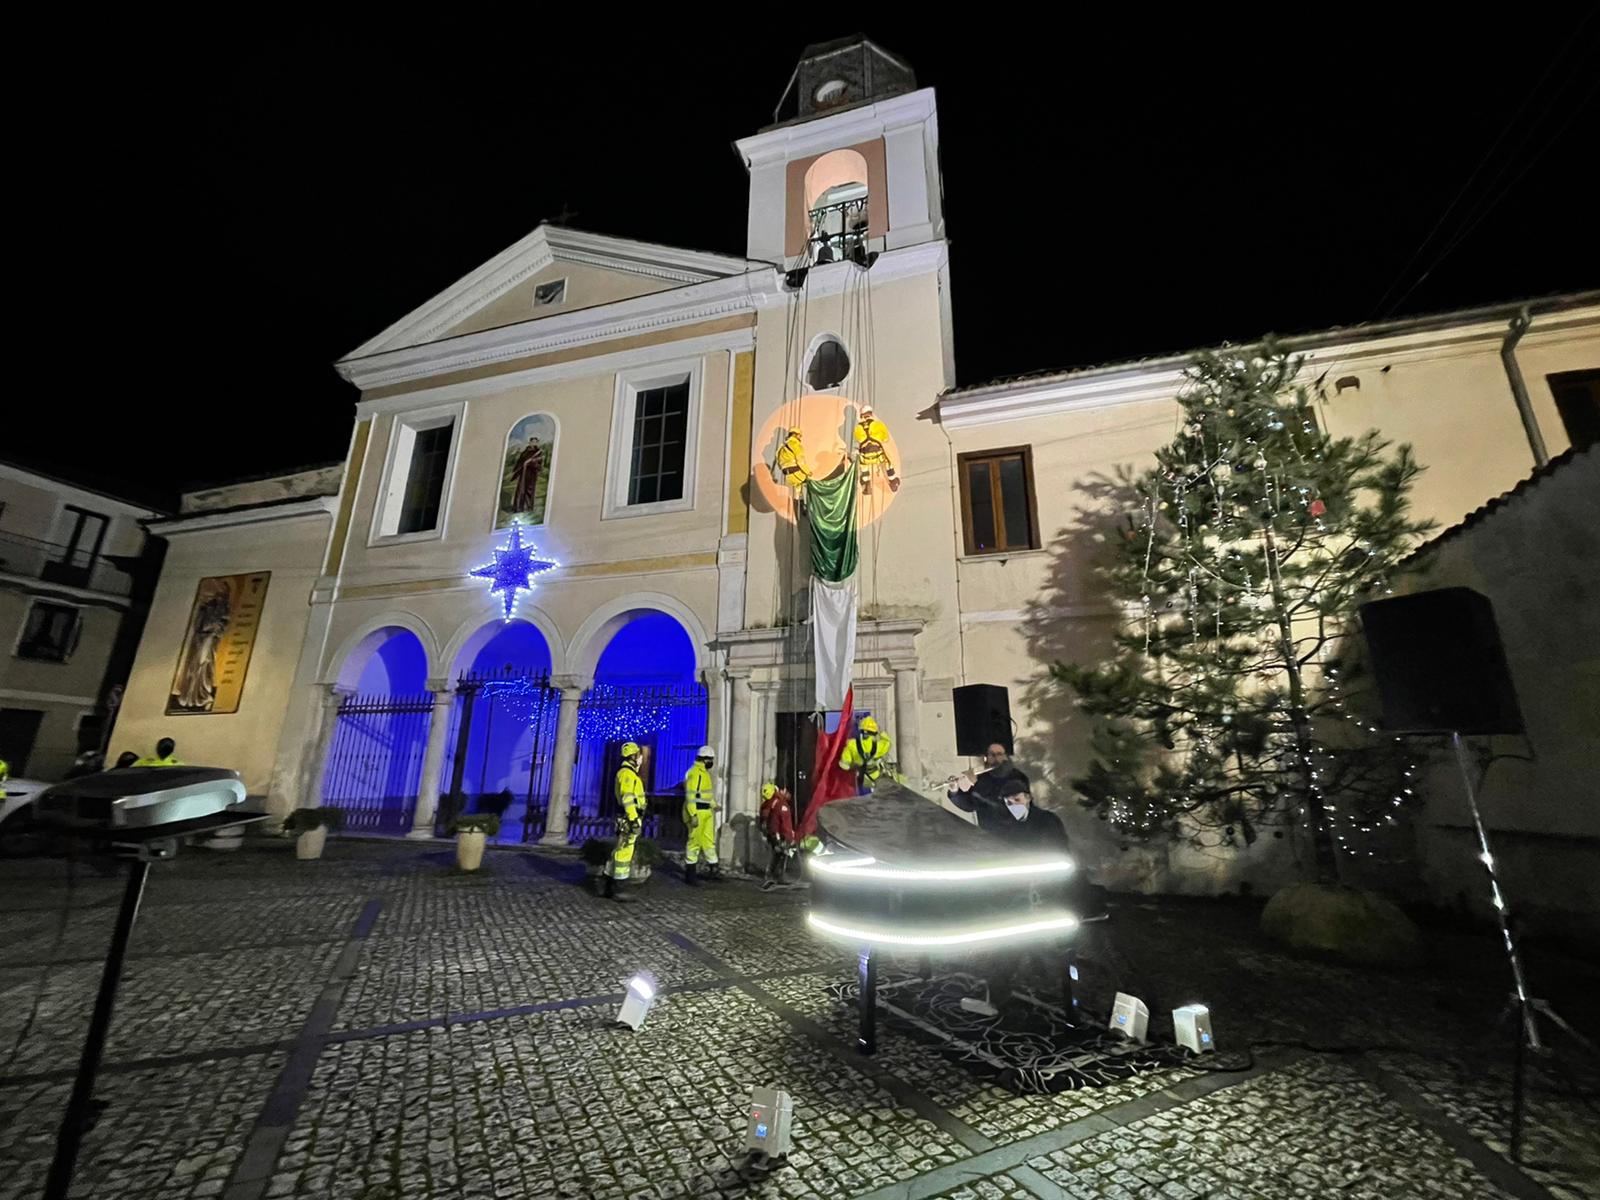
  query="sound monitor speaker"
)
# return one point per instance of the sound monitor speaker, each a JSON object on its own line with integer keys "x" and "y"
{"x": 1439, "y": 665}
{"x": 983, "y": 717}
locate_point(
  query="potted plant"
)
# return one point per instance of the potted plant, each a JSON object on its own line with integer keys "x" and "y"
{"x": 311, "y": 825}
{"x": 646, "y": 854}
{"x": 596, "y": 853}
{"x": 473, "y": 832}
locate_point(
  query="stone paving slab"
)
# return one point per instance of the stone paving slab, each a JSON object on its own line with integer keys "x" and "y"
{"x": 235, "y": 952}
{"x": 1313, "y": 1129}
{"x": 173, "y": 1132}
{"x": 168, "y": 1005}
{"x": 567, "y": 1104}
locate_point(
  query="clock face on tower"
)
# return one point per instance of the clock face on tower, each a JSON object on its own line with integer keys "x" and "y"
{"x": 831, "y": 91}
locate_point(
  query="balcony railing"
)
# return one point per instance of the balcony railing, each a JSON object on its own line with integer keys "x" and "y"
{"x": 50, "y": 562}
{"x": 839, "y": 231}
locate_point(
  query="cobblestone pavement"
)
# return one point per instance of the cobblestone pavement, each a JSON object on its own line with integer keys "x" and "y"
{"x": 379, "y": 1026}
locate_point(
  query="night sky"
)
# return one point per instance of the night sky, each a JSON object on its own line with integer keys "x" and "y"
{"x": 1131, "y": 189}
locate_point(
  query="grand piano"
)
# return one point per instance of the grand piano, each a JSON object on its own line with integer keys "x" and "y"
{"x": 904, "y": 875}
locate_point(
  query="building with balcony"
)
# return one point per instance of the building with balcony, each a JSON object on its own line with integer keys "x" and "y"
{"x": 75, "y": 568}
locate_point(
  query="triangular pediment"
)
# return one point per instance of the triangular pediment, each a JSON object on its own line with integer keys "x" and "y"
{"x": 553, "y": 270}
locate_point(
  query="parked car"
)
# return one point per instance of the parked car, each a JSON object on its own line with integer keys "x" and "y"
{"x": 17, "y": 831}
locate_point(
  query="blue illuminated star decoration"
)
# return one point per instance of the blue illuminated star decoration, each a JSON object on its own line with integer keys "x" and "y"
{"x": 512, "y": 571}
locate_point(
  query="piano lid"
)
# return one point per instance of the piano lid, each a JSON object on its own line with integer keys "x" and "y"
{"x": 897, "y": 827}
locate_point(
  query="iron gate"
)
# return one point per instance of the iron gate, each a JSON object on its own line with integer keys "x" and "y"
{"x": 484, "y": 777}
{"x": 375, "y": 761}
{"x": 669, "y": 722}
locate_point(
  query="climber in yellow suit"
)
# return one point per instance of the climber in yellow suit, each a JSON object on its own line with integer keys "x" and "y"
{"x": 630, "y": 819}
{"x": 866, "y": 754}
{"x": 792, "y": 461}
{"x": 700, "y": 818}
{"x": 871, "y": 453}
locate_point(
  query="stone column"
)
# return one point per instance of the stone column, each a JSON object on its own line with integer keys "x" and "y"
{"x": 555, "y": 825}
{"x": 739, "y": 785}
{"x": 433, "y": 759}
{"x": 906, "y": 722}
{"x": 317, "y": 767}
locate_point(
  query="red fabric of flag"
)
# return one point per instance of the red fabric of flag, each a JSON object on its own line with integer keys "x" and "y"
{"x": 828, "y": 782}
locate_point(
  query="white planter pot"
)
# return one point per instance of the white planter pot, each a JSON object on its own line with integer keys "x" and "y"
{"x": 469, "y": 849}
{"x": 309, "y": 844}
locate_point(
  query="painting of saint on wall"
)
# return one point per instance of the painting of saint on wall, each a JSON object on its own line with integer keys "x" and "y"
{"x": 216, "y": 647}
{"x": 525, "y": 473}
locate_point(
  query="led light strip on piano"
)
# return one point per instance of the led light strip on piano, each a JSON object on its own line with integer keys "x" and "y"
{"x": 866, "y": 868}
{"x": 965, "y": 937}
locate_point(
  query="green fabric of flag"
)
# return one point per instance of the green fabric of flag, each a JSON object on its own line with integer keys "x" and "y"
{"x": 831, "y": 511}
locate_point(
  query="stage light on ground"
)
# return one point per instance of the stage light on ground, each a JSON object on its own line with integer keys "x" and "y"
{"x": 767, "y": 1133}
{"x": 1129, "y": 1017}
{"x": 1191, "y": 1025}
{"x": 636, "y": 1004}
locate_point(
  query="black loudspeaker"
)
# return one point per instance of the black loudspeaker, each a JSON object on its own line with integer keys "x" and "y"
{"x": 983, "y": 717}
{"x": 1439, "y": 665}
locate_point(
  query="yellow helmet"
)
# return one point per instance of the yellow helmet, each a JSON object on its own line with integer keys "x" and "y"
{"x": 631, "y": 750}
{"x": 768, "y": 790}
{"x": 869, "y": 725}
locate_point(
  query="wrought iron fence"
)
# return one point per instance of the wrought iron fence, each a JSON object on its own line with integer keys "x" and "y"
{"x": 485, "y": 774}
{"x": 669, "y": 722}
{"x": 375, "y": 761}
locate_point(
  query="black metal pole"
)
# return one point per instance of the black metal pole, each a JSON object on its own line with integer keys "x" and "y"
{"x": 867, "y": 1038}
{"x": 1518, "y": 1067}
{"x": 1069, "y": 980}
{"x": 75, "y": 1123}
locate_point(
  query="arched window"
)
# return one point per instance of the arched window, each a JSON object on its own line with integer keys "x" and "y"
{"x": 828, "y": 365}
{"x": 836, "y": 204}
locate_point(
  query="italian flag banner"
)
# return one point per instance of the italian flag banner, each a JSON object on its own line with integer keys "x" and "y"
{"x": 831, "y": 513}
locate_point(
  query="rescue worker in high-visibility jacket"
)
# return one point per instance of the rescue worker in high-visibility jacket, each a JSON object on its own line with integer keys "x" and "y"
{"x": 871, "y": 453}
{"x": 866, "y": 754}
{"x": 792, "y": 460}
{"x": 163, "y": 757}
{"x": 629, "y": 791}
{"x": 700, "y": 817}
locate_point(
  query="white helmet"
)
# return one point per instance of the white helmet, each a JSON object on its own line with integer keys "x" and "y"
{"x": 705, "y": 752}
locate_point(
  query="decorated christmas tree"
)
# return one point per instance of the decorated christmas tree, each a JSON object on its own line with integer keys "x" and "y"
{"x": 1225, "y": 707}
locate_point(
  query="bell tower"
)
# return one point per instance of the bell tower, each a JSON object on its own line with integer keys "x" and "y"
{"x": 850, "y": 166}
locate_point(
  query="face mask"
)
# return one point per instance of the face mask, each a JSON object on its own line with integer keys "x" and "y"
{"x": 1018, "y": 811}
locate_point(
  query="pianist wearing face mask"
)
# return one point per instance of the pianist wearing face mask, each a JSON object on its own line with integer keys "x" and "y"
{"x": 1027, "y": 824}
{"x": 983, "y": 793}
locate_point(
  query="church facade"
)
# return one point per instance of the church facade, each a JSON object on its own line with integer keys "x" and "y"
{"x": 612, "y": 414}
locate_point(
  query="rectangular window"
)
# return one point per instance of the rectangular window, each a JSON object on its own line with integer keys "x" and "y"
{"x": 50, "y": 633}
{"x": 416, "y": 487}
{"x": 1577, "y": 396}
{"x": 998, "y": 511}
{"x": 660, "y": 433}
{"x": 430, "y": 454}
{"x": 654, "y": 426}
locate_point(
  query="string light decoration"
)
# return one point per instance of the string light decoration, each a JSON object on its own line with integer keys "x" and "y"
{"x": 617, "y": 713}
{"x": 1227, "y": 706}
{"x": 512, "y": 570}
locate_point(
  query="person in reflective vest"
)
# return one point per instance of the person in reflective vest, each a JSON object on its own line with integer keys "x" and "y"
{"x": 163, "y": 756}
{"x": 700, "y": 817}
{"x": 871, "y": 453}
{"x": 792, "y": 461}
{"x": 629, "y": 792}
{"x": 866, "y": 754}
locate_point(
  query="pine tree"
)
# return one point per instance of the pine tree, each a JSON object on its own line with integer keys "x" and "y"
{"x": 1240, "y": 562}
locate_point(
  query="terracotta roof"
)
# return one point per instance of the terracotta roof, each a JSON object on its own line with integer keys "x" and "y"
{"x": 1478, "y": 515}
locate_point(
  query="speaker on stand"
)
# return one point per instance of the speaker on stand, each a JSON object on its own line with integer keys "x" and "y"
{"x": 983, "y": 717}
{"x": 1441, "y": 671}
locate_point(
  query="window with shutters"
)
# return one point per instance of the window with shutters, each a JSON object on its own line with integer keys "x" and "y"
{"x": 998, "y": 512}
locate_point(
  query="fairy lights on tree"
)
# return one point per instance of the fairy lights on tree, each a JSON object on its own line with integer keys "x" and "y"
{"x": 1243, "y": 556}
